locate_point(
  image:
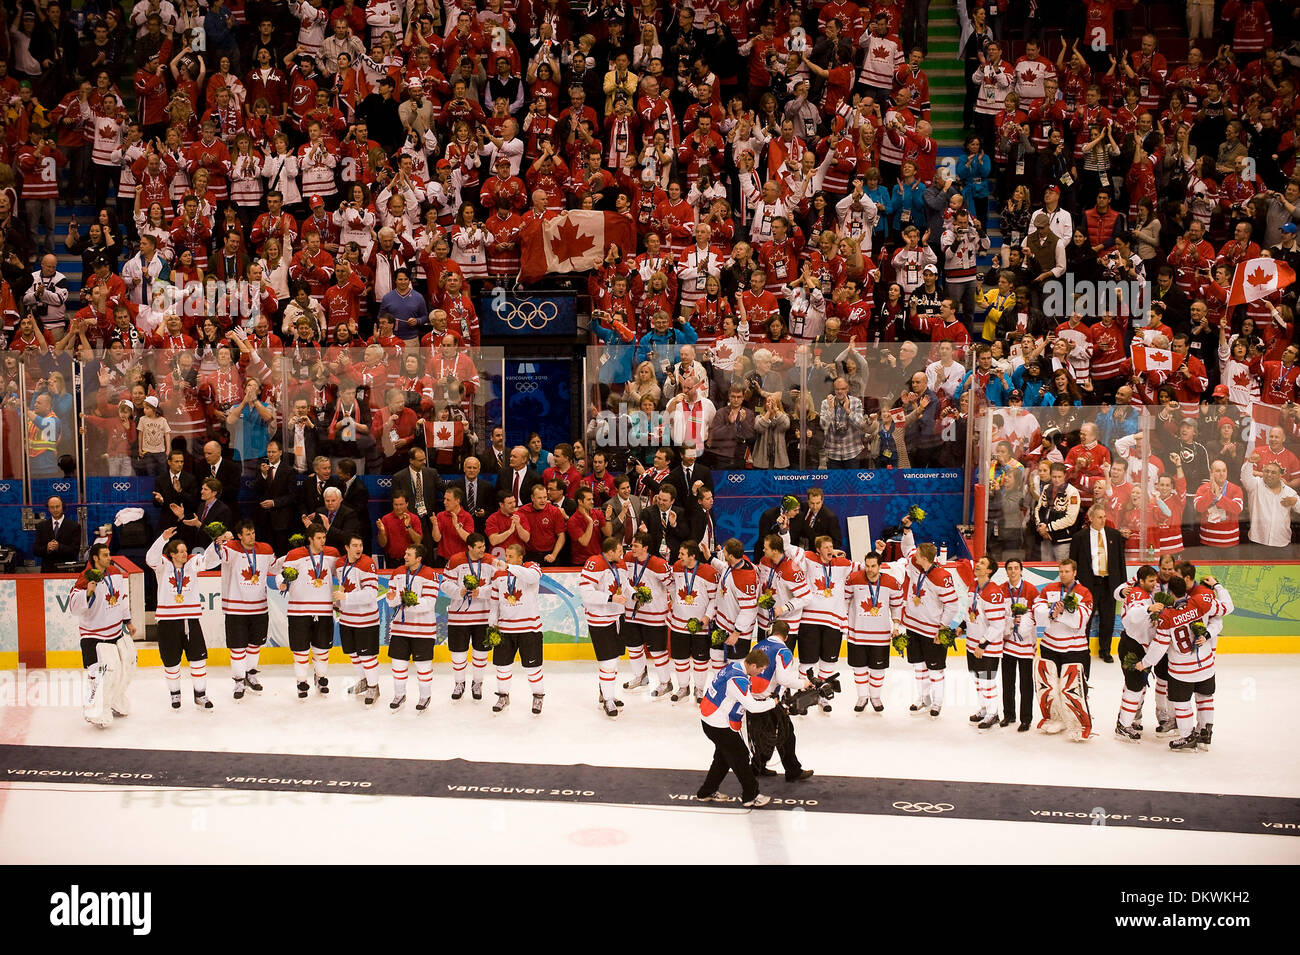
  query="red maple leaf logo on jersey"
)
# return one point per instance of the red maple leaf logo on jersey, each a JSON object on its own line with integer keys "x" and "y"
{"x": 867, "y": 606}
{"x": 880, "y": 52}
{"x": 442, "y": 434}
{"x": 1260, "y": 277}
{"x": 316, "y": 576}
{"x": 1027, "y": 76}
{"x": 185, "y": 582}
{"x": 249, "y": 575}
{"x": 570, "y": 242}
{"x": 1241, "y": 378}
{"x": 722, "y": 351}
{"x": 348, "y": 586}
{"x": 684, "y": 593}
{"x": 614, "y": 589}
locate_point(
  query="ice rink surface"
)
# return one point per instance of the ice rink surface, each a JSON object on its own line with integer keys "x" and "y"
{"x": 46, "y": 821}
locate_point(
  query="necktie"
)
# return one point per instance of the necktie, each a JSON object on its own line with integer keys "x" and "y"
{"x": 688, "y": 479}
{"x": 56, "y": 527}
{"x": 418, "y": 484}
{"x": 271, "y": 476}
{"x": 470, "y": 495}
{"x": 517, "y": 480}
{"x": 629, "y": 528}
{"x": 1101, "y": 553}
{"x": 176, "y": 481}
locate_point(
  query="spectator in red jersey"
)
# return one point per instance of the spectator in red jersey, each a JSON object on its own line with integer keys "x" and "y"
{"x": 451, "y": 526}
{"x": 397, "y": 530}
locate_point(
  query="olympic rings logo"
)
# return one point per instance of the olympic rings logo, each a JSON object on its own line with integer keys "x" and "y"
{"x": 525, "y": 387}
{"x": 519, "y": 316}
{"x": 4, "y": 488}
{"x": 121, "y": 486}
{"x": 63, "y": 487}
{"x": 385, "y": 482}
{"x": 866, "y": 476}
{"x": 928, "y": 807}
{"x": 735, "y": 478}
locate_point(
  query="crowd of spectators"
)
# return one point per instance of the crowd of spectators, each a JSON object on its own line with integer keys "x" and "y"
{"x": 293, "y": 206}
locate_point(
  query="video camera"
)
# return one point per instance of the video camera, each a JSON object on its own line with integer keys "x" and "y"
{"x": 798, "y": 703}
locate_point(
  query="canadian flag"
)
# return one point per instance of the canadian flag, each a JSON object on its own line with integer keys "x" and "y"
{"x": 1146, "y": 358}
{"x": 443, "y": 435}
{"x": 572, "y": 242}
{"x": 1259, "y": 278}
{"x": 1263, "y": 417}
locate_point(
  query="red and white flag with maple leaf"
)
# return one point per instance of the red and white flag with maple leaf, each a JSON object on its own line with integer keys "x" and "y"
{"x": 1262, "y": 418}
{"x": 1259, "y": 278}
{"x": 572, "y": 242}
{"x": 1147, "y": 358}
{"x": 443, "y": 435}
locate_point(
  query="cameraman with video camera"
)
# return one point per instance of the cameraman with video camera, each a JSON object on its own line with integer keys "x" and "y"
{"x": 772, "y": 730}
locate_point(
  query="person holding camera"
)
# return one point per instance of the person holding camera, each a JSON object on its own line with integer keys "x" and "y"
{"x": 721, "y": 710}
{"x": 845, "y": 425}
{"x": 772, "y": 731}
{"x": 47, "y": 297}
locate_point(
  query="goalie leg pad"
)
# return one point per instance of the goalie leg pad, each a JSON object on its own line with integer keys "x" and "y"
{"x": 127, "y": 657}
{"x": 1074, "y": 702}
{"x": 1046, "y": 683}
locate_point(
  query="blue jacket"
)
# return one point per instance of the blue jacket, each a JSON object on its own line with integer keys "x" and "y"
{"x": 973, "y": 171}
{"x": 996, "y": 391}
{"x": 936, "y": 201}
{"x": 884, "y": 206}
{"x": 1037, "y": 395}
{"x": 910, "y": 199}
{"x": 667, "y": 347}
{"x": 1109, "y": 429}
{"x": 616, "y": 357}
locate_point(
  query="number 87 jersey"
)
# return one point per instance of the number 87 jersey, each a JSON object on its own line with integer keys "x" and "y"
{"x": 1191, "y": 654}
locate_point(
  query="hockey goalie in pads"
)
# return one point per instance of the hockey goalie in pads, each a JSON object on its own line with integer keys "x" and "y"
{"x": 109, "y": 679}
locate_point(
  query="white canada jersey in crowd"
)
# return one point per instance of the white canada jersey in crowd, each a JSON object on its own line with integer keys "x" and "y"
{"x": 1191, "y": 655}
{"x": 872, "y": 607}
{"x": 100, "y": 616}
{"x": 600, "y": 581}
{"x": 1067, "y": 633}
{"x": 655, "y": 574}
{"x": 1136, "y": 616}
{"x": 787, "y": 583}
{"x": 986, "y": 618}
{"x": 420, "y": 620}
{"x": 358, "y": 590}
{"x": 929, "y": 597}
{"x": 243, "y": 575}
{"x": 695, "y": 592}
{"x": 737, "y": 601}
{"x": 178, "y": 587}
{"x": 516, "y": 606}
{"x": 827, "y": 600}
{"x": 310, "y": 593}
{"x": 464, "y": 610}
{"x": 1021, "y": 636}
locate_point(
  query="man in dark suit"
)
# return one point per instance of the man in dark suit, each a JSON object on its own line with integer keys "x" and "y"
{"x": 276, "y": 494}
{"x": 357, "y": 497}
{"x": 224, "y": 470}
{"x": 496, "y": 457}
{"x": 58, "y": 537}
{"x": 1098, "y": 551}
{"x": 311, "y": 493}
{"x": 517, "y": 477}
{"x": 211, "y": 509}
{"x": 300, "y": 432}
{"x": 478, "y": 491}
{"x": 814, "y": 521}
{"x": 416, "y": 476}
{"x": 665, "y": 523}
{"x": 176, "y": 492}
{"x": 688, "y": 477}
{"x": 703, "y": 524}
{"x": 777, "y": 520}
{"x": 339, "y": 520}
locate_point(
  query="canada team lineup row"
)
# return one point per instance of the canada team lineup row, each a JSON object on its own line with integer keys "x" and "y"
{"x": 687, "y": 628}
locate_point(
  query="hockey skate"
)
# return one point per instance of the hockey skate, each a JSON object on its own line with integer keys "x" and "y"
{"x": 989, "y": 721}
{"x": 322, "y": 685}
{"x": 176, "y": 699}
{"x": 661, "y": 691}
{"x": 396, "y": 702}
{"x": 1203, "y": 735}
{"x": 202, "y": 702}
{"x": 503, "y": 700}
{"x": 239, "y": 689}
{"x": 682, "y": 694}
{"x": 303, "y": 688}
{"x": 1184, "y": 744}
{"x": 372, "y": 694}
{"x": 537, "y": 702}
{"x": 476, "y": 689}
{"x": 359, "y": 688}
{"x": 423, "y": 704}
{"x": 251, "y": 681}
{"x": 859, "y": 706}
{"x": 458, "y": 690}
{"x": 611, "y": 707}
{"x": 638, "y": 681}
{"x": 1127, "y": 733}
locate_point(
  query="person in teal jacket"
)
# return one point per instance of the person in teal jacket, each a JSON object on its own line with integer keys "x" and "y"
{"x": 884, "y": 201}
{"x": 616, "y": 357}
{"x": 908, "y": 200}
{"x": 665, "y": 338}
{"x": 973, "y": 170}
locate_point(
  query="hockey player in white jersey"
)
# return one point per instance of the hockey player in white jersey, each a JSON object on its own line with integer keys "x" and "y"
{"x": 986, "y": 626}
{"x": 101, "y": 602}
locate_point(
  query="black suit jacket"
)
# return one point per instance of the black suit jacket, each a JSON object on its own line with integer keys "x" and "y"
{"x": 68, "y": 540}
{"x": 282, "y": 491}
{"x": 433, "y": 488}
{"x": 346, "y": 523}
{"x": 505, "y": 484}
{"x": 677, "y": 478}
{"x": 484, "y": 498}
{"x": 674, "y": 534}
{"x": 311, "y": 496}
{"x": 767, "y": 525}
{"x": 310, "y": 444}
{"x": 357, "y": 496}
{"x": 804, "y": 533}
{"x": 228, "y": 473}
{"x": 699, "y": 522}
{"x": 220, "y": 512}
{"x": 188, "y": 497}
{"x": 1116, "y": 573}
